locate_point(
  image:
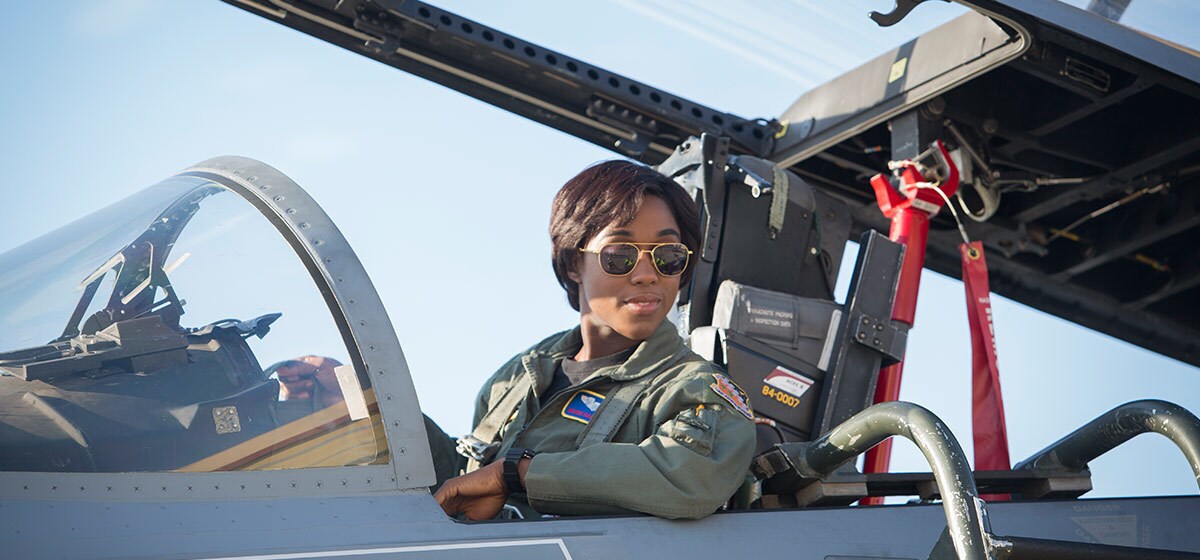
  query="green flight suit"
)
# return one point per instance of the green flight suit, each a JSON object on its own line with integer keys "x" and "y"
{"x": 682, "y": 452}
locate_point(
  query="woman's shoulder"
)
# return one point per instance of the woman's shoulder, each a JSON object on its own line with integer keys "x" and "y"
{"x": 697, "y": 379}
{"x": 694, "y": 366}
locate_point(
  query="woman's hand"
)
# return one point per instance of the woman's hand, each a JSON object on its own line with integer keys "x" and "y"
{"x": 299, "y": 377}
{"x": 480, "y": 494}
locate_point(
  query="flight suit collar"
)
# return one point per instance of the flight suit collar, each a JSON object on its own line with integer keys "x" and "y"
{"x": 650, "y": 355}
{"x": 541, "y": 363}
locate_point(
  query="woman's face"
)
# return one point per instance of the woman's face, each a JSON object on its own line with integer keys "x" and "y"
{"x": 630, "y": 306}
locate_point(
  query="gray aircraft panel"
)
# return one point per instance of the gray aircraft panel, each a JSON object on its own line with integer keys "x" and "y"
{"x": 333, "y": 481}
{"x": 894, "y": 82}
{"x": 567, "y": 548}
{"x": 404, "y": 526}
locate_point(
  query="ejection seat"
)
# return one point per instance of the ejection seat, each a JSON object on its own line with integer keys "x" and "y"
{"x": 806, "y": 363}
{"x": 761, "y": 299}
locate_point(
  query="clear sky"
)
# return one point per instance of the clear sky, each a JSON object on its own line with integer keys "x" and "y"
{"x": 446, "y": 199}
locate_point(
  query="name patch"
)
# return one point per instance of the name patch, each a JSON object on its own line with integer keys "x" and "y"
{"x": 582, "y": 406}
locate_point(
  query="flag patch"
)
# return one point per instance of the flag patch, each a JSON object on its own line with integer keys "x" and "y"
{"x": 728, "y": 390}
{"x": 582, "y": 406}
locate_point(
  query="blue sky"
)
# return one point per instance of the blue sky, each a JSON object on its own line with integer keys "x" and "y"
{"x": 446, "y": 199}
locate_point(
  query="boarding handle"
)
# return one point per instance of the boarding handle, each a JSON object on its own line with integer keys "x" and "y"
{"x": 966, "y": 516}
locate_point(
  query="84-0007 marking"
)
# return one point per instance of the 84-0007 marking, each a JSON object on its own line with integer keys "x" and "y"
{"x": 789, "y": 400}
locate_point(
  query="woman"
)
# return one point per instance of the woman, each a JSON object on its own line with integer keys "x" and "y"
{"x": 677, "y": 441}
{"x": 616, "y": 415}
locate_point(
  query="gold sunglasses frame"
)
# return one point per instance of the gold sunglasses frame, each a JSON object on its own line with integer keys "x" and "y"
{"x": 640, "y": 250}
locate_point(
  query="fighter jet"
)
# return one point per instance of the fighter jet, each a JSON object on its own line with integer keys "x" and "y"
{"x": 136, "y": 425}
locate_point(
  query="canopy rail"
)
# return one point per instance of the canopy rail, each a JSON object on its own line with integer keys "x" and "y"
{"x": 1117, "y": 426}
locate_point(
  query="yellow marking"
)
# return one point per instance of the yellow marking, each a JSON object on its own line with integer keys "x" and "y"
{"x": 1065, "y": 234}
{"x": 898, "y": 69}
{"x": 1151, "y": 262}
{"x": 784, "y": 398}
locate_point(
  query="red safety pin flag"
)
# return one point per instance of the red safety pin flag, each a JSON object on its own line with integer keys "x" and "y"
{"x": 987, "y": 405}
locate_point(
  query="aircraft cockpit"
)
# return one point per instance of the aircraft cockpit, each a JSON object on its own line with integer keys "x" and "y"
{"x": 142, "y": 337}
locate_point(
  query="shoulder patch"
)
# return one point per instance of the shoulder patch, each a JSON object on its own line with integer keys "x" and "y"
{"x": 582, "y": 406}
{"x": 728, "y": 390}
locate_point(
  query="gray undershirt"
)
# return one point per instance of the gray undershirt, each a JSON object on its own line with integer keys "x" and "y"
{"x": 571, "y": 373}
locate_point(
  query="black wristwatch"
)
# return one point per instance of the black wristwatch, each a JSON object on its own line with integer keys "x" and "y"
{"x": 512, "y": 476}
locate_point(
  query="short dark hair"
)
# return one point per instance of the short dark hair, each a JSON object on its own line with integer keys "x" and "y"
{"x": 611, "y": 192}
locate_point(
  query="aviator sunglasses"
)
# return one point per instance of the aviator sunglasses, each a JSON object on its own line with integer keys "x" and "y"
{"x": 619, "y": 259}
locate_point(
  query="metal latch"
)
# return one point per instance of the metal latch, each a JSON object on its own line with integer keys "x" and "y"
{"x": 472, "y": 447}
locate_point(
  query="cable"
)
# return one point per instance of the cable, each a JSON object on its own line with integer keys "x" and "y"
{"x": 990, "y": 198}
{"x": 961, "y": 230}
{"x": 761, "y": 421}
{"x": 1106, "y": 209}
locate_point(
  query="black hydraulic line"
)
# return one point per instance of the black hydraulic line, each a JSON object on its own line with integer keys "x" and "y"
{"x": 965, "y": 517}
{"x": 1118, "y": 426}
{"x": 1025, "y": 548}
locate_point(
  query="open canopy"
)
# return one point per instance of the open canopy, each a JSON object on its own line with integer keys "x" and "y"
{"x": 1079, "y": 130}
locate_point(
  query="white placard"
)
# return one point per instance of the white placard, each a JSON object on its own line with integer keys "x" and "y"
{"x": 356, "y": 403}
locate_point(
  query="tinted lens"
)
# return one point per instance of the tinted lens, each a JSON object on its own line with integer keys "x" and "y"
{"x": 670, "y": 260}
{"x": 618, "y": 259}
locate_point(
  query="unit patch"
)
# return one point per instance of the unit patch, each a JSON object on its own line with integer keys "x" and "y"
{"x": 583, "y": 406}
{"x": 728, "y": 390}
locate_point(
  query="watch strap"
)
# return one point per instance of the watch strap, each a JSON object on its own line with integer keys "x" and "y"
{"x": 512, "y": 474}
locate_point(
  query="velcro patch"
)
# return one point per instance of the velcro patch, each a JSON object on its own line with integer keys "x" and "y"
{"x": 582, "y": 406}
{"x": 728, "y": 390}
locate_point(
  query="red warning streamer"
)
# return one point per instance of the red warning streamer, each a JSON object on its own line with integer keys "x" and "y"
{"x": 987, "y": 405}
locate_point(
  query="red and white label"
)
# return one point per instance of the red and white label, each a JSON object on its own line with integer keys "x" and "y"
{"x": 788, "y": 381}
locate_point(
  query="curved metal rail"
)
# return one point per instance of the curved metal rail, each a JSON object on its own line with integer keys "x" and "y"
{"x": 966, "y": 519}
{"x": 1118, "y": 426}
